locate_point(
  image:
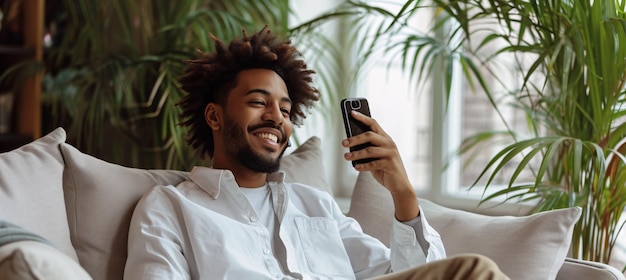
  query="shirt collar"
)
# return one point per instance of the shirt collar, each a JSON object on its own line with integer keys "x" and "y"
{"x": 212, "y": 180}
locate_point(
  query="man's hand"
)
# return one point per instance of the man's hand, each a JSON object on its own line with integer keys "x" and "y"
{"x": 387, "y": 169}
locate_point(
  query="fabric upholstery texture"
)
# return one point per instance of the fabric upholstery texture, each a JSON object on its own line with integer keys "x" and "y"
{"x": 31, "y": 192}
{"x": 526, "y": 247}
{"x": 305, "y": 165}
{"x": 539, "y": 241}
{"x": 96, "y": 190}
{"x": 25, "y": 260}
{"x": 372, "y": 206}
{"x": 579, "y": 269}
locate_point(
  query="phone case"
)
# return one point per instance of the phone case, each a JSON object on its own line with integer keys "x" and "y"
{"x": 352, "y": 126}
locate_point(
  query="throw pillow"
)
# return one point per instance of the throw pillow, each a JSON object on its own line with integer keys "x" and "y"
{"x": 371, "y": 205}
{"x": 101, "y": 197}
{"x": 305, "y": 165}
{"x": 24, "y": 260}
{"x": 524, "y": 247}
{"x": 31, "y": 190}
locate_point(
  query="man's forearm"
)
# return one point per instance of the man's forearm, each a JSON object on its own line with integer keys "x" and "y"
{"x": 406, "y": 206}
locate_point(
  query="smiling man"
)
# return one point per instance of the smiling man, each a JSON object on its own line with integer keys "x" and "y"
{"x": 255, "y": 134}
{"x": 239, "y": 219}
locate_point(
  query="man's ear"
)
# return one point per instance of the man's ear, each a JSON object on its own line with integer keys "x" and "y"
{"x": 213, "y": 115}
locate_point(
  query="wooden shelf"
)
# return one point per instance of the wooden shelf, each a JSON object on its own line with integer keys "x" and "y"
{"x": 26, "y": 123}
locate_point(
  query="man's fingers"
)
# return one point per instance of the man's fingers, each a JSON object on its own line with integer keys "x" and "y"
{"x": 369, "y": 122}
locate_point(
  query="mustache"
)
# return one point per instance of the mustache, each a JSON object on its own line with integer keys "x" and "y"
{"x": 271, "y": 125}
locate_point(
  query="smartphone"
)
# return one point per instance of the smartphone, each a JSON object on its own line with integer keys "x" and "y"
{"x": 354, "y": 127}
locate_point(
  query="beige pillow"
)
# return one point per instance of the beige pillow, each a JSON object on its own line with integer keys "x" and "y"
{"x": 306, "y": 166}
{"x": 24, "y": 260}
{"x": 31, "y": 190}
{"x": 527, "y": 247}
{"x": 372, "y": 206}
{"x": 101, "y": 196}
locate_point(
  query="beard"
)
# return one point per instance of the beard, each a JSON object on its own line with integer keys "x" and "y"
{"x": 237, "y": 147}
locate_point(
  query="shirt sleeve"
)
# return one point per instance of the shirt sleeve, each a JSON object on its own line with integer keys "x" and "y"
{"x": 154, "y": 249}
{"x": 416, "y": 224}
{"x": 414, "y": 243}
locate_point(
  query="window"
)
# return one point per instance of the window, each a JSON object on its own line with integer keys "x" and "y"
{"x": 426, "y": 133}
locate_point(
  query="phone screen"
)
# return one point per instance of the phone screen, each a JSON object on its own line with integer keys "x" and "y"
{"x": 352, "y": 126}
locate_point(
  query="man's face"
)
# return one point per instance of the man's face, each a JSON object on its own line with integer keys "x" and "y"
{"x": 256, "y": 120}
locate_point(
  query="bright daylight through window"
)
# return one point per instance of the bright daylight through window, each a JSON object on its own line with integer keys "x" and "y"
{"x": 428, "y": 128}
{"x": 415, "y": 115}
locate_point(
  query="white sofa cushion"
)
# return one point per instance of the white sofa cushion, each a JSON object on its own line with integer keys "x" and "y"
{"x": 24, "y": 260}
{"x": 583, "y": 270}
{"x": 526, "y": 247}
{"x": 101, "y": 196}
{"x": 31, "y": 190}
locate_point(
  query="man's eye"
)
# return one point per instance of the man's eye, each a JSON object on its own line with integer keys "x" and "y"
{"x": 286, "y": 112}
{"x": 257, "y": 102}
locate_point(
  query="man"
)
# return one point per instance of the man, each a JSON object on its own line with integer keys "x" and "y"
{"x": 240, "y": 220}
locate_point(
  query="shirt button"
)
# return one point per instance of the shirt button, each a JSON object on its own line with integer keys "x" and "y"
{"x": 253, "y": 219}
{"x": 266, "y": 251}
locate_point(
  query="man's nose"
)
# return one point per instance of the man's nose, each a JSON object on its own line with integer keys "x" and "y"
{"x": 272, "y": 113}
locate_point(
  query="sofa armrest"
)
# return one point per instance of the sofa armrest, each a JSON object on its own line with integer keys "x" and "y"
{"x": 574, "y": 269}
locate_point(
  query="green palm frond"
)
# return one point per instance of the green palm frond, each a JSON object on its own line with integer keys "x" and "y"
{"x": 112, "y": 77}
{"x": 572, "y": 89}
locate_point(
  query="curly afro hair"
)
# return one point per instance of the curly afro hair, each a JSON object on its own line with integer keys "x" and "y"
{"x": 211, "y": 76}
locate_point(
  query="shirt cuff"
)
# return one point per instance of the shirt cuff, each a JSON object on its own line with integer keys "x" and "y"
{"x": 411, "y": 232}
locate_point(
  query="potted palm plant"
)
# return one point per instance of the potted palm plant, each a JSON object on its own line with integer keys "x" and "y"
{"x": 572, "y": 93}
{"x": 571, "y": 60}
{"x": 112, "y": 70}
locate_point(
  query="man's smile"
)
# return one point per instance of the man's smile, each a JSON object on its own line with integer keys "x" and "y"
{"x": 269, "y": 136}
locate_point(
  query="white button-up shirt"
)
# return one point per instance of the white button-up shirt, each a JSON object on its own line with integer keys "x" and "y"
{"x": 205, "y": 228}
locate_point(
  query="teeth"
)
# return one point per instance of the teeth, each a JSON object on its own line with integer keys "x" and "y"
{"x": 268, "y": 136}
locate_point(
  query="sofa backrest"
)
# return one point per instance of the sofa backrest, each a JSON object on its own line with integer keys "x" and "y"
{"x": 83, "y": 205}
{"x": 100, "y": 198}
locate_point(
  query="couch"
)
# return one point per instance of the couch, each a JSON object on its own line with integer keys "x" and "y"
{"x": 82, "y": 205}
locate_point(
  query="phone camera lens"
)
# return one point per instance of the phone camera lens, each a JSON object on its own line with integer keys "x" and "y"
{"x": 355, "y": 104}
